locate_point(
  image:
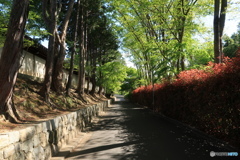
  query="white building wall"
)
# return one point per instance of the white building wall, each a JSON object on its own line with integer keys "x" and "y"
{"x": 33, "y": 65}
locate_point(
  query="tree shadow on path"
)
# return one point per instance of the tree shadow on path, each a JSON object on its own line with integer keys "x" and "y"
{"x": 143, "y": 135}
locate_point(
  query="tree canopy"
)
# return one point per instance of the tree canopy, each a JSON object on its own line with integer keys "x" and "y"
{"x": 85, "y": 36}
{"x": 161, "y": 35}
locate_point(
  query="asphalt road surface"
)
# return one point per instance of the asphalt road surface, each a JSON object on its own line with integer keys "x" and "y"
{"x": 129, "y": 132}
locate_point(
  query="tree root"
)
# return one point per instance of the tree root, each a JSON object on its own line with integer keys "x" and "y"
{"x": 11, "y": 113}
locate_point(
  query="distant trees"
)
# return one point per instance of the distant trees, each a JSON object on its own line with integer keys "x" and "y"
{"x": 112, "y": 76}
{"x": 131, "y": 81}
{"x": 10, "y": 58}
{"x": 232, "y": 43}
{"x": 102, "y": 50}
{"x": 88, "y": 20}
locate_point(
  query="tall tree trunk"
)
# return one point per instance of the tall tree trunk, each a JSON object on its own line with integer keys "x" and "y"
{"x": 216, "y": 32}
{"x": 222, "y": 23}
{"x": 89, "y": 64}
{"x": 82, "y": 57}
{"x": 88, "y": 84}
{"x": 182, "y": 63}
{"x": 100, "y": 90}
{"x": 49, "y": 16}
{"x": 180, "y": 34}
{"x": 94, "y": 69}
{"x": 70, "y": 74}
{"x": 86, "y": 43}
{"x": 58, "y": 70}
{"x": 218, "y": 26}
{"x": 69, "y": 83}
{"x": 58, "y": 67}
{"x": 10, "y": 58}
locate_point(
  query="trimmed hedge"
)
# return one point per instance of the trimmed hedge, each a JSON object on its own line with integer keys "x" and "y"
{"x": 207, "y": 99}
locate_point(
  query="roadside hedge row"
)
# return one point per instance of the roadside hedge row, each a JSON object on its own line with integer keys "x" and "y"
{"x": 207, "y": 99}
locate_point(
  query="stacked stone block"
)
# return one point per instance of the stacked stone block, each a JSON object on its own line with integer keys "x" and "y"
{"x": 43, "y": 140}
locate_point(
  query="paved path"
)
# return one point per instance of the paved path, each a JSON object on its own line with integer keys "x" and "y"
{"x": 129, "y": 132}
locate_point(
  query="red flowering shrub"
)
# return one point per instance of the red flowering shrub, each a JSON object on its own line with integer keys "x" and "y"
{"x": 208, "y": 99}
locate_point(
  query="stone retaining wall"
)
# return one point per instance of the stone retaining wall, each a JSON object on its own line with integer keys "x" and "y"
{"x": 43, "y": 140}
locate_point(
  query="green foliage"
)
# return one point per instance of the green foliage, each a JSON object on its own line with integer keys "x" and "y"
{"x": 131, "y": 81}
{"x": 5, "y": 8}
{"x": 34, "y": 27}
{"x": 28, "y": 42}
{"x": 232, "y": 43}
{"x": 230, "y": 50}
{"x": 159, "y": 34}
{"x": 201, "y": 54}
{"x": 67, "y": 61}
{"x": 113, "y": 74}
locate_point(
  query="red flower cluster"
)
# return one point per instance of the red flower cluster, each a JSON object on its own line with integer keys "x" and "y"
{"x": 208, "y": 99}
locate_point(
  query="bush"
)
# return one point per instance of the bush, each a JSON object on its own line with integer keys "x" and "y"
{"x": 207, "y": 99}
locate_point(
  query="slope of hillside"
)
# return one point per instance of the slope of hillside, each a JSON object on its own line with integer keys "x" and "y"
{"x": 32, "y": 108}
